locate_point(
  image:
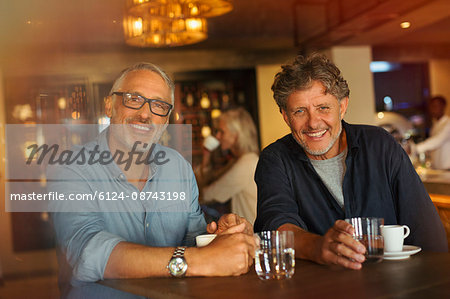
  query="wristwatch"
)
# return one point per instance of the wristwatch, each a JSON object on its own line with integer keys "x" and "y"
{"x": 177, "y": 265}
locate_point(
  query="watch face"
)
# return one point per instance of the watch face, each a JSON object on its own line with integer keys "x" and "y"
{"x": 177, "y": 266}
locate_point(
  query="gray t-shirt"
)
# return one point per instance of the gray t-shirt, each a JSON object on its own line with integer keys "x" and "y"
{"x": 332, "y": 172}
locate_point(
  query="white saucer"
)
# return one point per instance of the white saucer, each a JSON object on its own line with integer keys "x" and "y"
{"x": 408, "y": 250}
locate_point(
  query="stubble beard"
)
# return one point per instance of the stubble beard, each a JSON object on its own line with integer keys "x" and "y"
{"x": 130, "y": 143}
{"x": 312, "y": 152}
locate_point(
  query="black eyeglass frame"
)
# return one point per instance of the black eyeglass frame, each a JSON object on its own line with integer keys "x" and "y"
{"x": 146, "y": 100}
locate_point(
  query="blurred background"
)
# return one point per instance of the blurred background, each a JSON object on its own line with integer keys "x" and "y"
{"x": 58, "y": 60}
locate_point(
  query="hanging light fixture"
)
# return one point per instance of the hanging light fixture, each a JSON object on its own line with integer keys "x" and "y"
{"x": 184, "y": 8}
{"x": 158, "y": 32}
{"x": 168, "y": 23}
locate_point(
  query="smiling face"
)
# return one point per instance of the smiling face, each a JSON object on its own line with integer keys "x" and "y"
{"x": 130, "y": 125}
{"x": 315, "y": 120}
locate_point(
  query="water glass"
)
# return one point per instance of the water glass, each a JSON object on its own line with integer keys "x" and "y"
{"x": 368, "y": 232}
{"x": 275, "y": 257}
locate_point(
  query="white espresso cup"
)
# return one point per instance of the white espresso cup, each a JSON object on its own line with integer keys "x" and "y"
{"x": 203, "y": 240}
{"x": 393, "y": 237}
{"x": 211, "y": 143}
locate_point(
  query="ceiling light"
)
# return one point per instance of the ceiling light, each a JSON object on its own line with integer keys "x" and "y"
{"x": 141, "y": 32}
{"x": 180, "y": 8}
{"x": 167, "y": 23}
{"x": 405, "y": 25}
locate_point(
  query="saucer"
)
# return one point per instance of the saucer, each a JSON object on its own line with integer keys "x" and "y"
{"x": 408, "y": 250}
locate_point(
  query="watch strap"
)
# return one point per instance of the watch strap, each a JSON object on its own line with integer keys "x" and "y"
{"x": 179, "y": 252}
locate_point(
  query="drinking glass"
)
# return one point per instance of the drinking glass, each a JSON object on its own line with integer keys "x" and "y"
{"x": 275, "y": 257}
{"x": 368, "y": 232}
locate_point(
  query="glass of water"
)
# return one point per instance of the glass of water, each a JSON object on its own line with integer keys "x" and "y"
{"x": 275, "y": 257}
{"x": 368, "y": 232}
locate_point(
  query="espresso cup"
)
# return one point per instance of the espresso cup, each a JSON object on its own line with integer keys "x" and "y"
{"x": 393, "y": 237}
{"x": 203, "y": 240}
{"x": 367, "y": 230}
{"x": 211, "y": 143}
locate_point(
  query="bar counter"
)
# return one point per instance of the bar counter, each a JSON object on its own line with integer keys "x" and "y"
{"x": 435, "y": 181}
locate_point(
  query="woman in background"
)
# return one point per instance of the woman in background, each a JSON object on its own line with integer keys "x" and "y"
{"x": 237, "y": 134}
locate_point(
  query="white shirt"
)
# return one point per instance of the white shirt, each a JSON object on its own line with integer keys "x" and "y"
{"x": 238, "y": 184}
{"x": 438, "y": 144}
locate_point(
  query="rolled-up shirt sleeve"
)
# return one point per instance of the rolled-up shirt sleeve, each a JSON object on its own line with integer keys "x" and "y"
{"x": 85, "y": 244}
{"x": 81, "y": 236}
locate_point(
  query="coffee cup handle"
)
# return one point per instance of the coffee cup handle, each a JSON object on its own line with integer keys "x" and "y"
{"x": 407, "y": 231}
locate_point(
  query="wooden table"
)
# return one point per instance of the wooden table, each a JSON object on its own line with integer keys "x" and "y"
{"x": 424, "y": 275}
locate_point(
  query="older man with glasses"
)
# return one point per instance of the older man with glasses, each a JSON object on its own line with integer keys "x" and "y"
{"x": 153, "y": 241}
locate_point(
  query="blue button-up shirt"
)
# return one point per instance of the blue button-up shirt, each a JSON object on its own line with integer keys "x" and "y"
{"x": 87, "y": 236}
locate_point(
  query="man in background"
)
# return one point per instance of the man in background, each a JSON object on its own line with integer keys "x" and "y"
{"x": 438, "y": 144}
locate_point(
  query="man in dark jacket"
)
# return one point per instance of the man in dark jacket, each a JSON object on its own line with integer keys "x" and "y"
{"x": 327, "y": 170}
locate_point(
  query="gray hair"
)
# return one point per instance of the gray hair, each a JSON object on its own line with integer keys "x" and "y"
{"x": 239, "y": 121}
{"x": 147, "y": 67}
{"x": 302, "y": 72}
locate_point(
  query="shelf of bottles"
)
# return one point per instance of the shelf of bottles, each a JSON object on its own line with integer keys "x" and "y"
{"x": 201, "y": 100}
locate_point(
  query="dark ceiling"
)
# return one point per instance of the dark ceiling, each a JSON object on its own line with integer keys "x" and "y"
{"x": 256, "y": 25}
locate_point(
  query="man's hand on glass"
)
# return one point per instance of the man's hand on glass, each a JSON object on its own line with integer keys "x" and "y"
{"x": 338, "y": 247}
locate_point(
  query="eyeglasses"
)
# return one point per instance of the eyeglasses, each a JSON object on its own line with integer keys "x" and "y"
{"x": 136, "y": 101}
